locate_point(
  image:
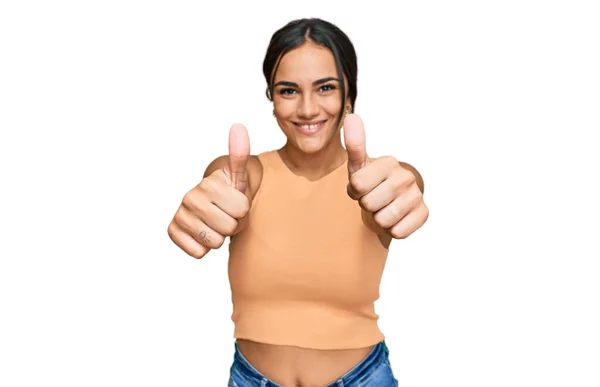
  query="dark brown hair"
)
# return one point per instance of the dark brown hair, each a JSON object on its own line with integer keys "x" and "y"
{"x": 323, "y": 33}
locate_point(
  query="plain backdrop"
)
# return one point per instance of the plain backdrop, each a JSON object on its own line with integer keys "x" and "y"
{"x": 110, "y": 111}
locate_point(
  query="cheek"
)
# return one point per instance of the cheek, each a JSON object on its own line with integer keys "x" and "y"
{"x": 331, "y": 105}
{"x": 284, "y": 107}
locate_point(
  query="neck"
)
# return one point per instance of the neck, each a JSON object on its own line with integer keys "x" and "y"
{"x": 314, "y": 165}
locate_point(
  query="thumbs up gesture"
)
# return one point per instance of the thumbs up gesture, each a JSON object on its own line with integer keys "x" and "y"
{"x": 214, "y": 209}
{"x": 388, "y": 194}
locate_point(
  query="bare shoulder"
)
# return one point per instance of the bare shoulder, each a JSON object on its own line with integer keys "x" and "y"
{"x": 255, "y": 171}
{"x": 218, "y": 163}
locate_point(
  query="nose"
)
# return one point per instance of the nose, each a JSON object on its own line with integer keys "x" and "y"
{"x": 308, "y": 108}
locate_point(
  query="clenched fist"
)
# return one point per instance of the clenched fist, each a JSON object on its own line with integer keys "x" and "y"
{"x": 213, "y": 209}
{"x": 389, "y": 195}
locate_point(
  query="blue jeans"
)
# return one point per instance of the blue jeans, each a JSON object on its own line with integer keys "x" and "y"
{"x": 374, "y": 370}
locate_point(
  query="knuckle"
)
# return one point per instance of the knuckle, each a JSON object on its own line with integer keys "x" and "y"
{"x": 179, "y": 218}
{"x": 417, "y": 199}
{"x": 208, "y": 184}
{"x": 425, "y": 212}
{"x": 242, "y": 207}
{"x": 171, "y": 230}
{"x": 176, "y": 235}
{"x": 230, "y": 227}
{"x": 397, "y": 233}
{"x": 196, "y": 207}
{"x": 391, "y": 160}
{"x": 357, "y": 183}
{"x": 198, "y": 254}
{"x": 191, "y": 199}
{"x": 380, "y": 218}
{"x": 210, "y": 239}
{"x": 218, "y": 241}
{"x": 368, "y": 204}
{"x": 407, "y": 177}
{"x": 188, "y": 198}
{"x": 387, "y": 218}
{"x": 245, "y": 205}
{"x": 398, "y": 213}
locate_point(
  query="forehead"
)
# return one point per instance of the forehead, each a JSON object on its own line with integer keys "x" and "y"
{"x": 307, "y": 62}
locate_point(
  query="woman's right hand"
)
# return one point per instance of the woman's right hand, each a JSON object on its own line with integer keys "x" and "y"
{"x": 213, "y": 209}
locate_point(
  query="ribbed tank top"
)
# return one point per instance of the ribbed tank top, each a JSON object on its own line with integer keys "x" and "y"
{"x": 305, "y": 271}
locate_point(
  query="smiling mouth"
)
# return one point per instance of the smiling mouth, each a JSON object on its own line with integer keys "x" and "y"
{"x": 310, "y": 128}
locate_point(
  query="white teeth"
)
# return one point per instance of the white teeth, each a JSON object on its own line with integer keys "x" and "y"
{"x": 310, "y": 127}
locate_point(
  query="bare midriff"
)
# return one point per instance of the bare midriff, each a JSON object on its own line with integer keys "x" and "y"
{"x": 300, "y": 367}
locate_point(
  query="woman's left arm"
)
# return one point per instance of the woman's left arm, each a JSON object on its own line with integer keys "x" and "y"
{"x": 390, "y": 192}
{"x": 402, "y": 188}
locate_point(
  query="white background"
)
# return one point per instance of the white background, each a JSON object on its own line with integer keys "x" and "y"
{"x": 110, "y": 112}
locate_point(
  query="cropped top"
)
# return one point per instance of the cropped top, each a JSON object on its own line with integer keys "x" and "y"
{"x": 305, "y": 271}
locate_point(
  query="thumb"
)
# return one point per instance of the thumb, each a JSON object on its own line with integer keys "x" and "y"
{"x": 239, "y": 152}
{"x": 355, "y": 142}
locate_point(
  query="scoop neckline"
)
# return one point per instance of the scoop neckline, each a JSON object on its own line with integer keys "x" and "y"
{"x": 289, "y": 171}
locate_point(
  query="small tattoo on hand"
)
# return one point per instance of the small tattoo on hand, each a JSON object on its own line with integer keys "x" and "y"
{"x": 204, "y": 236}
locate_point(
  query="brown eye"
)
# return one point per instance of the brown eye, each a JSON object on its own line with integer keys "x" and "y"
{"x": 326, "y": 88}
{"x": 287, "y": 91}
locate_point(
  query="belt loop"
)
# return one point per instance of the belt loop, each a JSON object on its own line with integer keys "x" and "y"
{"x": 264, "y": 382}
{"x": 340, "y": 383}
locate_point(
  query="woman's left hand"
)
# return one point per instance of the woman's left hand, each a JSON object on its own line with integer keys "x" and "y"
{"x": 389, "y": 195}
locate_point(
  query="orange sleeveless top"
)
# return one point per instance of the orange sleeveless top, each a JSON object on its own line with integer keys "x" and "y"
{"x": 305, "y": 271}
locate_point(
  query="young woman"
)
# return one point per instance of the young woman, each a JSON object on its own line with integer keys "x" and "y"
{"x": 310, "y": 223}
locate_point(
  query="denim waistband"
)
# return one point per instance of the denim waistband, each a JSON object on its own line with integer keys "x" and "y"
{"x": 376, "y": 356}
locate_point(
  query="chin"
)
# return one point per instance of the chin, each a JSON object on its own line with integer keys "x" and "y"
{"x": 309, "y": 148}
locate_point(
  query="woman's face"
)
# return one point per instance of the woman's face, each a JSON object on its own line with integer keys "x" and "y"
{"x": 307, "y": 97}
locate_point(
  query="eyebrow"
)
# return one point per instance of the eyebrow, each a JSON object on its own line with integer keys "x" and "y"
{"x": 315, "y": 83}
